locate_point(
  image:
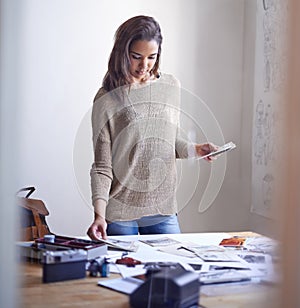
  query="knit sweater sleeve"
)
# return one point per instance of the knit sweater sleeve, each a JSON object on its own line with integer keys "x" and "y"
{"x": 184, "y": 147}
{"x": 101, "y": 171}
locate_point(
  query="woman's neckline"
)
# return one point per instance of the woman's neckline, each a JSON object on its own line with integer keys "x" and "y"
{"x": 146, "y": 83}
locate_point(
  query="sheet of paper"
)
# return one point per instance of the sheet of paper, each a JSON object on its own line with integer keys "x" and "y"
{"x": 217, "y": 256}
{"x": 127, "y": 271}
{"x": 159, "y": 242}
{"x": 123, "y": 285}
{"x": 262, "y": 244}
{"x": 178, "y": 250}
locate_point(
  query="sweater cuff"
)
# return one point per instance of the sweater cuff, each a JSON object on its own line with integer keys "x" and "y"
{"x": 185, "y": 149}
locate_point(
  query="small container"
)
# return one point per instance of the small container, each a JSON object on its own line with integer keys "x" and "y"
{"x": 105, "y": 270}
{"x": 50, "y": 238}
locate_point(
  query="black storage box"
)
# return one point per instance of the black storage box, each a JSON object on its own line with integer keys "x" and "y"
{"x": 64, "y": 265}
{"x": 172, "y": 287}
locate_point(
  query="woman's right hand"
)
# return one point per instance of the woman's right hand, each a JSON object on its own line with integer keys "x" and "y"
{"x": 97, "y": 230}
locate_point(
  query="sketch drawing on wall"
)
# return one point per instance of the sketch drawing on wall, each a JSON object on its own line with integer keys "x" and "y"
{"x": 275, "y": 58}
{"x": 264, "y": 138}
{"x": 270, "y": 75}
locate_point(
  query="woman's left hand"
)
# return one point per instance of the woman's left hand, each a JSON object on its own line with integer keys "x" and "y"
{"x": 206, "y": 148}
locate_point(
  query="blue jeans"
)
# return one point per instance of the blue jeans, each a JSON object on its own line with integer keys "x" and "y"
{"x": 157, "y": 224}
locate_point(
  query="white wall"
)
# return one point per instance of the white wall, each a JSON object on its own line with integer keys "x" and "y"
{"x": 9, "y": 149}
{"x": 64, "y": 48}
{"x": 218, "y": 80}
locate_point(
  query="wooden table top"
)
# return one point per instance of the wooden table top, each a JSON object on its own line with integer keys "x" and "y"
{"x": 86, "y": 293}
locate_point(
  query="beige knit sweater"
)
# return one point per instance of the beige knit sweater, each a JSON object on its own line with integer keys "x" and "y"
{"x": 136, "y": 143}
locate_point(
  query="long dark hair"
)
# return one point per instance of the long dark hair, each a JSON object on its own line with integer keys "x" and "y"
{"x": 134, "y": 29}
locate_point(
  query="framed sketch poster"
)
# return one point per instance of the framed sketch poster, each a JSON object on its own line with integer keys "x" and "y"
{"x": 269, "y": 78}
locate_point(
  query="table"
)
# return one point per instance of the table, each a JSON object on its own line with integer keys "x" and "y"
{"x": 86, "y": 293}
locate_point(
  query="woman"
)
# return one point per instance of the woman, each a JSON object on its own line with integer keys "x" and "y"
{"x": 136, "y": 138}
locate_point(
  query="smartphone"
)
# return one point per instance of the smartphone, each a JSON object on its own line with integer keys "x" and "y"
{"x": 226, "y": 147}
